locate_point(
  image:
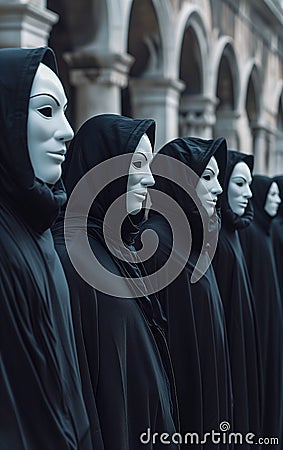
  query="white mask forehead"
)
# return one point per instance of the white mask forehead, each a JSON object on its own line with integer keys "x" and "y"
{"x": 47, "y": 82}
{"x": 144, "y": 146}
{"x": 273, "y": 190}
{"x": 242, "y": 170}
{"x": 273, "y": 200}
{"x": 212, "y": 165}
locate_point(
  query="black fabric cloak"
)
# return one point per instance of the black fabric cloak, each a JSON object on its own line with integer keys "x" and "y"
{"x": 196, "y": 324}
{"x": 257, "y": 247}
{"x": 120, "y": 341}
{"x": 41, "y": 403}
{"x": 236, "y": 294}
{"x": 277, "y": 237}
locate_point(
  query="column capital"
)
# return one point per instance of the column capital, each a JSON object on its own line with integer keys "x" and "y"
{"x": 25, "y": 24}
{"x": 157, "y": 83}
{"x": 97, "y": 68}
{"x": 261, "y": 127}
{"x": 197, "y": 114}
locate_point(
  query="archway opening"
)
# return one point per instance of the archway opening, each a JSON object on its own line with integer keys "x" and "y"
{"x": 144, "y": 44}
{"x": 192, "y": 103}
{"x": 227, "y": 93}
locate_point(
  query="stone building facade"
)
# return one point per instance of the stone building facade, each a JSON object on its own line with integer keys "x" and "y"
{"x": 199, "y": 67}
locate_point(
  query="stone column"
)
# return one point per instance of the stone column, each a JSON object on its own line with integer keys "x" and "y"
{"x": 197, "y": 116}
{"x": 273, "y": 165}
{"x": 157, "y": 98}
{"x": 278, "y": 153}
{"x": 261, "y": 165}
{"x": 227, "y": 126}
{"x": 25, "y": 23}
{"x": 98, "y": 80}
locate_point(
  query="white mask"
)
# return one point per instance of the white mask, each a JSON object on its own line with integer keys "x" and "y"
{"x": 239, "y": 191}
{"x": 140, "y": 176}
{"x": 273, "y": 200}
{"x": 208, "y": 187}
{"x": 47, "y": 128}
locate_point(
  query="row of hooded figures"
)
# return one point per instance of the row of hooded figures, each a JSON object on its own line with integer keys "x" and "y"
{"x": 141, "y": 291}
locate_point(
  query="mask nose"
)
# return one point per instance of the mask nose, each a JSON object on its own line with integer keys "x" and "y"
{"x": 216, "y": 189}
{"x": 278, "y": 199}
{"x": 148, "y": 179}
{"x": 248, "y": 193}
{"x": 65, "y": 132}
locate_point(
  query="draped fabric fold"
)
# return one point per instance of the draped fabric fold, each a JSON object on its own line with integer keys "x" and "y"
{"x": 196, "y": 325}
{"x": 236, "y": 294}
{"x": 257, "y": 247}
{"x": 121, "y": 346}
{"x": 41, "y": 404}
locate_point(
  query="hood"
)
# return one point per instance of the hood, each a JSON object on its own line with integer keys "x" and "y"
{"x": 260, "y": 187}
{"x": 36, "y": 202}
{"x": 279, "y": 180}
{"x": 230, "y": 219}
{"x": 192, "y": 153}
{"x": 99, "y": 139}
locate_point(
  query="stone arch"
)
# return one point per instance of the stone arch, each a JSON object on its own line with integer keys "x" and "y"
{"x": 225, "y": 87}
{"x": 275, "y": 97}
{"x": 145, "y": 39}
{"x": 97, "y": 25}
{"x": 151, "y": 91}
{"x": 279, "y": 132}
{"x": 252, "y": 82}
{"x": 255, "y": 134}
{"x": 190, "y": 56}
{"x": 228, "y": 83}
{"x": 191, "y": 18}
{"x": 279, "y": 121}
{"x": 85, "y": 22}
{"x": 224, "y": 51}
{"x": 166, "y": 26}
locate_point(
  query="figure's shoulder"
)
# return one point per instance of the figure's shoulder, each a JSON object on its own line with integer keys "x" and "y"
{"x": 160, "y": 226}
{"x": 18, "y": 248}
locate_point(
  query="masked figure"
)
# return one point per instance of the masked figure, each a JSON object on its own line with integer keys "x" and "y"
{"x": 236, "y": 293}
{"x": 277, "y": 236}
{"x": 41, "y": 403}
{"x": 257, "y": 246}
{"x": 119, "y": 334}
{"x": 196, "y": 324}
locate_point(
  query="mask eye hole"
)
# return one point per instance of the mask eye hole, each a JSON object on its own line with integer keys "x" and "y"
{"x": 46, "y": 111}
{"x": 137, "y": 164}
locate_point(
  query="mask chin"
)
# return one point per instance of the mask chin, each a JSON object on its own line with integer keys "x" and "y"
{"x": 133, "y": 206}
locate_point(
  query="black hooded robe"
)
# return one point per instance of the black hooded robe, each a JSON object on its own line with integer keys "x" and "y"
{"x": 236, "y": 294}
{"x": 41, "y": 403}
{"x": 196, "y": 325}
{"x": 257, "y": 247}
{"x": 277, "y": 237}
{"x": 121, "y": 344}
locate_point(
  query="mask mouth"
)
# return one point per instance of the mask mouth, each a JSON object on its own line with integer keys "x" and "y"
{"x": 63, "y": 151}
{"x": 213, "y": 200}
{"x": 58, "y": 156}
{"x": 141, "y": 193}
{"x": 243, "y": 204}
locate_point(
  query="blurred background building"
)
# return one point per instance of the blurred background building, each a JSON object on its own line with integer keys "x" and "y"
{"x": 203, "y": 68}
